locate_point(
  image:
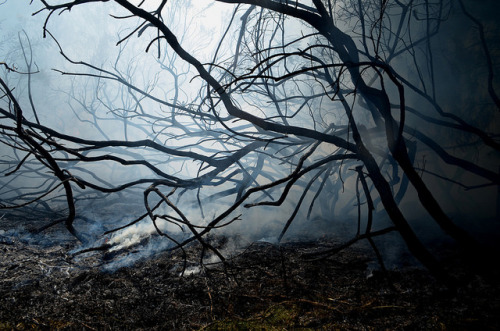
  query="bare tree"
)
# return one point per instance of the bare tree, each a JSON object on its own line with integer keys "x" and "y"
{"x": 299, "y": 101}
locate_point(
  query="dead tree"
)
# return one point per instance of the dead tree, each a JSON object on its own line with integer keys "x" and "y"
{"x": 314, "y": 94}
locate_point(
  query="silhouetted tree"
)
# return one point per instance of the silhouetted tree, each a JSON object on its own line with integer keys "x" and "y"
{"x": 299, "y": 100}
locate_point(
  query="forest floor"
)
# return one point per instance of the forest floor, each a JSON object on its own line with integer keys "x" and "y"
{"x": 262, "y": 287}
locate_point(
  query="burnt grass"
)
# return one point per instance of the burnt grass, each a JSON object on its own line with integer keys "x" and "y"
{"x": 262, "y": 287}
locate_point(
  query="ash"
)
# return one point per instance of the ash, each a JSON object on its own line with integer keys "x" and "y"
{"x": 261, "y": 286}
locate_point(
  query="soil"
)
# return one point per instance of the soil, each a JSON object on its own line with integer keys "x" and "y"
{"x": 265, "y": 287}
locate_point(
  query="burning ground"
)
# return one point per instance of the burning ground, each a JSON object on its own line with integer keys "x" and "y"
{"x": 264, "y": 286}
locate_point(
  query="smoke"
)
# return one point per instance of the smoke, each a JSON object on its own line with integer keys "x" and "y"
{"x": 102, "y": 109}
